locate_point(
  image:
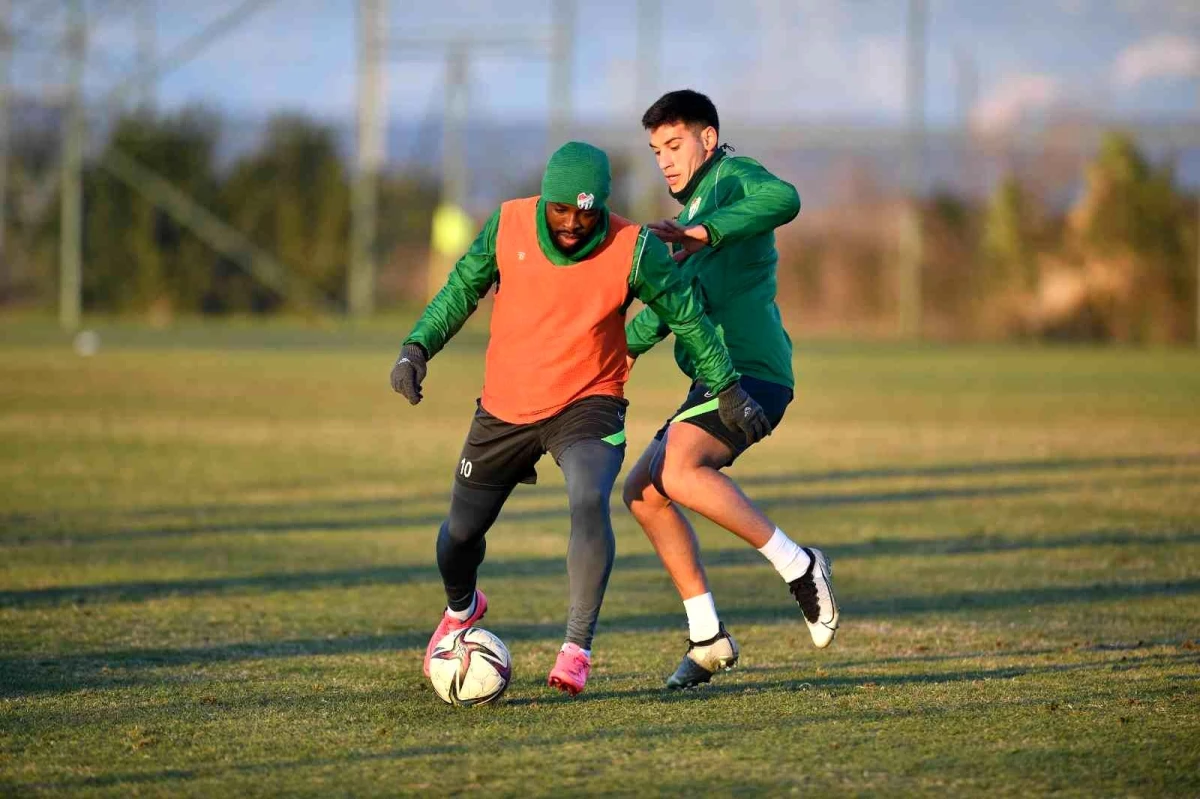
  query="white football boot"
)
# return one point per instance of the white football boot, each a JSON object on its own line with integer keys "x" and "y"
{"x": 813, "y": 592}
{"x": 703, "y": 659}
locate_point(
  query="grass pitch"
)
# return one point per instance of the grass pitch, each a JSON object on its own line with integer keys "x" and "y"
{"x": 217, "y": 577}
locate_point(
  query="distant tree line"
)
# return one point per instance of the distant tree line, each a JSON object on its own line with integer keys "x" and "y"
{"x": 290, "y": 196}
{"x": 1117, "y": 263}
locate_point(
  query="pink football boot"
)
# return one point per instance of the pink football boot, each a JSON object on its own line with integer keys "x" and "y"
{"x": 449, "y": 624}
{"x": 571, "y": 670}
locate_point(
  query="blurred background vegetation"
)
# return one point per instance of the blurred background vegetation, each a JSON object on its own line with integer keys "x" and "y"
{"x": 1117, "y": 263}
{"x": 1022, "y": 213}
{"x": 290, "y": 195}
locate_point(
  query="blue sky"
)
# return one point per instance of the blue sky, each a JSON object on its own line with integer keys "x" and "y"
{"x": 778, "y": 60}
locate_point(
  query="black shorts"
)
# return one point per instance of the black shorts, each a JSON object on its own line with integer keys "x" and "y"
{"x": 500, "y": 454}
{"x": 700, "y": 409}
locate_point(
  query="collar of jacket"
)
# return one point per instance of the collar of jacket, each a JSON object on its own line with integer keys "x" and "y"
{"x": 684, "y": 195}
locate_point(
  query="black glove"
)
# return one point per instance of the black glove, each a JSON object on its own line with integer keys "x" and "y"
{"x": 409, "y": 371}
{"x": 739, "y": 411}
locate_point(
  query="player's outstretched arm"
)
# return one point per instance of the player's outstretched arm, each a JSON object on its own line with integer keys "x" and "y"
{"x": 672, "y": 297}
{"x": 763, "y": 202}
{"x": 643, "y": 331}
{"x": 449, "y": 310}
{"x": 664, "y": 288}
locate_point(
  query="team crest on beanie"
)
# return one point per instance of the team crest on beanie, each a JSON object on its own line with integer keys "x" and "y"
{"x": 577, "y": 174}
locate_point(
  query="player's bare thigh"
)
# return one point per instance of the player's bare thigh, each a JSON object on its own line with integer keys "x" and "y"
{"x": 688, "y": 448}
{"x": 639, "y": 485}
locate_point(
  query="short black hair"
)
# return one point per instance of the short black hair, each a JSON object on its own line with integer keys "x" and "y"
{"x": 682, "y": 106}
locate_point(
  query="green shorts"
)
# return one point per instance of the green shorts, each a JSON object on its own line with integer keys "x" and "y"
{"x": 700, "y": 409}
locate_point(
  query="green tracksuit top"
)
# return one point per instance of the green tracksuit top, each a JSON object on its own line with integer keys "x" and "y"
{"x": 653, "y": 279}
{"x": 741, "y": 204}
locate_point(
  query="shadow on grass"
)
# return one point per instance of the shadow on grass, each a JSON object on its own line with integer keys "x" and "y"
{"x": 532, "y": 739}
{"x": 968, "y": 469}
{"x": 869, "y": 682}
{"x": 404, "y": 753}
{"x": 788, "y": 478}
{"x": 22, "y": 675}
{"x": 517, "y": 515}
{"x": 861, "y": 680}
{"x": 537, "y": 737}
{"x": 23, "y": 528}
{"x": 145, "y": 590}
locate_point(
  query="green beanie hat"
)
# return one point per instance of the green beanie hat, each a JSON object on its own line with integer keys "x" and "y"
{"x": 577, "y": 174}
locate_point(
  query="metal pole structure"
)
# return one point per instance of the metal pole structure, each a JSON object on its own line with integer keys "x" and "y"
{"x": 561, "y": 75}
{"x": 210, "y": 229}
{"x": 966, "y": 77}
{"x": 649, "y": 40}
{"x": 360, "y": 278}
{"x": 70, "y": 299}
{"x": 966, "y": 80}
{"x": 451, "y": 225}
{"x": 910, "y": 246}
{"x": 147, "y": 46}
{"x": 184, "y": 52}
{"x": 454, "y": 157}
{"x": 180, "y": 55}
{"x": 453, "y": 228}
{"x": 5, "y": 60}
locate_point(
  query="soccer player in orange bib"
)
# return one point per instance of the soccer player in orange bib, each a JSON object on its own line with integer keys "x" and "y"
{"x": 565, "y": 271}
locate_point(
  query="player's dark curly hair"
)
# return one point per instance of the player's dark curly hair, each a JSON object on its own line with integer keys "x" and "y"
{"x": 684, "y": 106}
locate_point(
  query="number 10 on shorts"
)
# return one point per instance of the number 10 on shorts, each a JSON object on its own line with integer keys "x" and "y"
{"x": 464, "y": 467}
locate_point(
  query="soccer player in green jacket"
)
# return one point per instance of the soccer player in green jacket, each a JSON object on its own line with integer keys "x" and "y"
{"x": 724, "y": 241}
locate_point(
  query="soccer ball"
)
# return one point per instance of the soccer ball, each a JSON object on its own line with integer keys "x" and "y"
{"x": 470, "y": 667}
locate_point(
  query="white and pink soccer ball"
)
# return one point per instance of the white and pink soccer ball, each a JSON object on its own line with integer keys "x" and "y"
{"x": 470, "y": 667}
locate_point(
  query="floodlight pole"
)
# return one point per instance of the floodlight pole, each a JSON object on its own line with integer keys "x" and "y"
{"x": 147, "y": 30}
{"x": 450, "y": 222}
{"x": 649, "y": 40}
{"x": 180, "y": 55}
{"x": 6, "y": 47}
{"x": 910, "y": 245}
{"x": 451, "y": 226}
{"x": 966, "y": 77}
{"x": 70, "y": 235}
{"x": 561, "y": 76}
{"x": 454, "y": 121}
{"x": 360, "y": 277}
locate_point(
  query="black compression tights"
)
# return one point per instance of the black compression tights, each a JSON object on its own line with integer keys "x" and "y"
{"x": 590, "y": 468}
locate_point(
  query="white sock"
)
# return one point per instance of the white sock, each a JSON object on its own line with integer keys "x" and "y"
{"x": 463, "y": 615}
{"x": 703, "y": 623}
{"x": 786, "y": 556}
{"x": 587, "y": 652}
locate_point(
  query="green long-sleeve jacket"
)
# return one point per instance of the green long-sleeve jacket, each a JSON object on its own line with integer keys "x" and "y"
{"x": 653, "y": 279}
{"x": 741, "y": 204}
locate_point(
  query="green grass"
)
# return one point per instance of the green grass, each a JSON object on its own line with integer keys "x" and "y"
{"x": 216, "y": 577}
